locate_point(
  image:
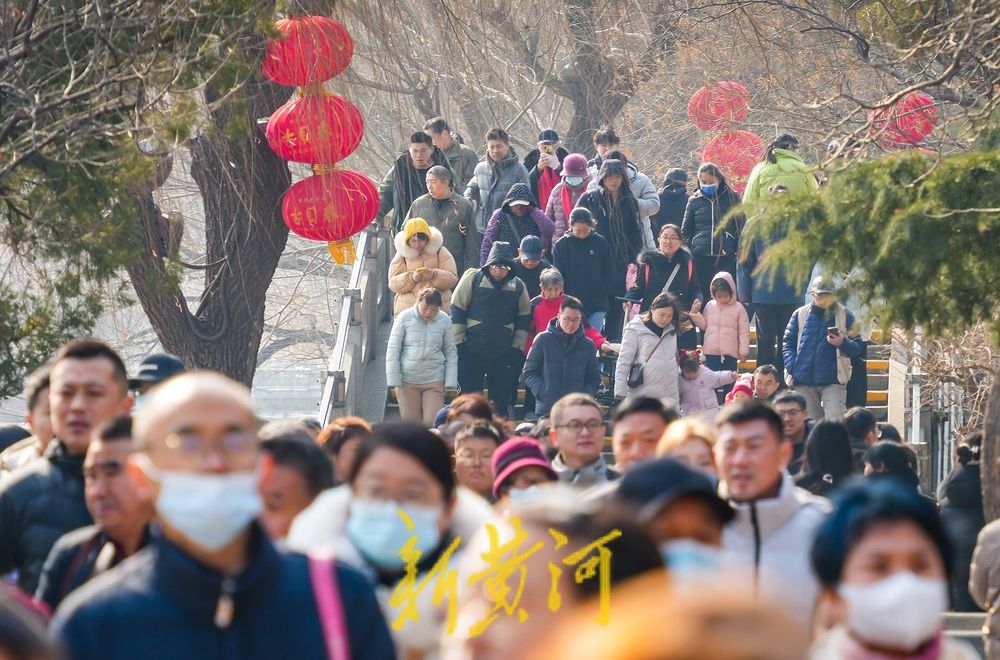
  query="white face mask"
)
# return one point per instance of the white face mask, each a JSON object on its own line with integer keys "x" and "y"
{"x": 689, "y": 561}
{"x": 523, "y": 495}
{"x": 574, "y": 181}
{"x": 901, "y": 611}
{"x": 209, "y": 509}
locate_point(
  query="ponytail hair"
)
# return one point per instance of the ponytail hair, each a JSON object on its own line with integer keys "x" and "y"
{"x": 783, "y": 141}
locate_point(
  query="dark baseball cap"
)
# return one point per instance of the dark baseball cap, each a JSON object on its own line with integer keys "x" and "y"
{"x": 531, "y": 248}
{"x": 155, "y": 369}
{"x": 548, "y": 135}
{"x": 654, "y": 484}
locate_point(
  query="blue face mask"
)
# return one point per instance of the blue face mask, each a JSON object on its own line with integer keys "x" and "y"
{"x": 379, "y": 533}
{"x": 573, "y": 181}
{"x": 688, "y": 560}
{"x": 524, "y": 495}
{"x": 710, "y": 190}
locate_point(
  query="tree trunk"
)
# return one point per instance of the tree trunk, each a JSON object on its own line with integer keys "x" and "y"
{"x": 241, "y": 183}
{"x": 990, "y": 460}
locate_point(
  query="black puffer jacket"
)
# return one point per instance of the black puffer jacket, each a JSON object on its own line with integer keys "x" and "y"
{"x": 38, "y": 504}
{"x": 673, "y": 202}
{"x": 702, "y": 218}
{"x": 654, "y": 271}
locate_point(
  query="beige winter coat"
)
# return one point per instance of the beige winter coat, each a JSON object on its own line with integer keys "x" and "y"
{"x": 407, "y": 260}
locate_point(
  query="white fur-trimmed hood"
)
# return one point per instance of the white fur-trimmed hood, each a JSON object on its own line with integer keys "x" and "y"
{"x": 433, "y": 245}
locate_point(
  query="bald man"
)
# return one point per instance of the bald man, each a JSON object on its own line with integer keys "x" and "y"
{"x": 210, "y": 569}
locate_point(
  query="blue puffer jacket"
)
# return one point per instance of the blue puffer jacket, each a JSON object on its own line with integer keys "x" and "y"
{"x": 757, "y": 288}
{"x": 560, "y": 364}
{"x": 813, "y": 361}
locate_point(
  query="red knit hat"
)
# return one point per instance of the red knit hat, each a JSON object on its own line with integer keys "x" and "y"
{"x": 744, "y": 385}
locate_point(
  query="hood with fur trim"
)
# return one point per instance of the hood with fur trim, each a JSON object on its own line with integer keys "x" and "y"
{"x": 433, "y": 245}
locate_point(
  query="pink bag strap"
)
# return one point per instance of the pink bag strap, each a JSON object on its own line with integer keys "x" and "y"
{"x": 331, "y": 610}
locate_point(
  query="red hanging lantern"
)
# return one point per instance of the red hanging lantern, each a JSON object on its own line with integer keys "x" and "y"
{"x": 735, "y": 152}
{"x": 316, "y": 129}
{"x": 716, "y": 107}
{"x": 330, "y": 206}
{"x": 311, "y": 49}
{"x": 906, "y": 122}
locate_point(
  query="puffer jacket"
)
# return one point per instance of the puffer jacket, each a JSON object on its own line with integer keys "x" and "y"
{"x": 698, "y": 396}
{"x": 420, "y": 351}
{"x": 463, "y": 161}
{"x": 984, "y": 584}
{"x": 587, "y": 268}
{"x": 789, "y": 170}
{"x": 673, "y": 201}
{"x": 407, "y": 260}
{"x": 543, "y": 310}
{"x": 703, "y": 216}
{"x": 660, "y": 372}
{"x": 38, "y": 504}
{"x": 645, "y": 196}
{"x": 654, "y": 271}
{"x": 321, "y": 527}
{"x": 490, "y": 184}
{"x": 557, "y": 208}
{"x": 758, "y": 288}
{"x": 726, "y": 327}
{"x": 534, "y": 223}
{"x": 770, "y": 539}
{"x": 809, "y": 358}
{"x": 559, "y": 364}
{"x": 456, "y": 220}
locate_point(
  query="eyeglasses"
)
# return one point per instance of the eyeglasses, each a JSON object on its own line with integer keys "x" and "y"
{"x": 593, "y": 426}
{"x": 471, "y": 457}
{"x": 234, "y": 442}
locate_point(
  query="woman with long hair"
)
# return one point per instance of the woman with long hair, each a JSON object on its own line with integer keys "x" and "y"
{"x": 829, "y": 460}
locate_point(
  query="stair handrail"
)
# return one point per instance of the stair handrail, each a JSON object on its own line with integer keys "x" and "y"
{"x": 365, "y": 303}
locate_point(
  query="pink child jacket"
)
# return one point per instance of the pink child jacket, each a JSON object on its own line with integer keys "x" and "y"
{"x": 726, "y": 327}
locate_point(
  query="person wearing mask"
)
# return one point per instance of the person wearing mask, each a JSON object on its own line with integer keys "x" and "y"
{"x": 827, "y": 460}
{"x": 773, "y": 296}
{"x": 636, "y": 427}
{"x": 882, "y": 558}
{"x": 766, "y": 382}
{"x": 462, "y": 160}
{"x": 775, "y": 522}
{"x": 820, "y": 340}
{"x": 616, "y": 213}
{"x": 780, "y": 165}
{"x": 516, "y": 219}
{"x": 403, "y": 467}
{"x": 690, "y": 441}
{"x": 493, "y": 177}
{"x": 563, "y": 199}
{"x": 647, "y": 363}
{"x": 520, "y": 468}
{"x": 578, "y": 435}
{"x": 39, "y": 420}
{"x": 121, "y": 518}
{"x": 474, "y": 447}
{"x": 698, "y": 385}
{"x": 210, "y": 569}
{"x": 714, "y": 249}
{"x": 421, "y": 261}
{"x": 863, "y": 430}
{"x": 406, "y": 180}
{"x": 445, "y": 210}
{"x": 679, "y": 508}
{"x": 529, "y": 264}
{"x": 294, "y": 470}
{"x": 673, "y": 200}
{"x": 544, "y": 165}
{"x": 961, "y": 498}
{"x": 342, "y": 439}
{"x": 668, "y": 270}
{"x": 491, "y": 313}
{"x": 421, "y": 360}
{"x": 585, "y": 261}
{"x": 796, "y": 425}
{"x": 562, "y": 359}
{"x": 45, "y": 499}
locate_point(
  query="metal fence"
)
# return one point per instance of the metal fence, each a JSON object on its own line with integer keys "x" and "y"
{"x": 366, "y": 302}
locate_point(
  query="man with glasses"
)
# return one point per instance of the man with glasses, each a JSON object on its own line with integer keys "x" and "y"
{"x": 578, "y": 435}
{"x": 474, "y": 447}
{"x": 210, "y": 569}
{"x": 795, "y": 425}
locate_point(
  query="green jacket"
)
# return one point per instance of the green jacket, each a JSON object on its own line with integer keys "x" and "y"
{"x": 463, "y": 161}
{"x": 789, "y": 170}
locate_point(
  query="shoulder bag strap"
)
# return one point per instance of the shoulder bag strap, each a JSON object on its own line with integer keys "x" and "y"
{"x": 670, "y": 280}
{"x": 513, "y": 228}
{"x": 323, "y": 575}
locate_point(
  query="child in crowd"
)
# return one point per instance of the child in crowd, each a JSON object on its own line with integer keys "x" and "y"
{"x": 698, "y": 384}
{"x": 742, "y": 391}
{"x": 545, "y": 307}
{"x": 726, "y": 326}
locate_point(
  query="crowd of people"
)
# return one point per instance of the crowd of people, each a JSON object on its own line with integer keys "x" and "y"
{"x": 653, "y": 502}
